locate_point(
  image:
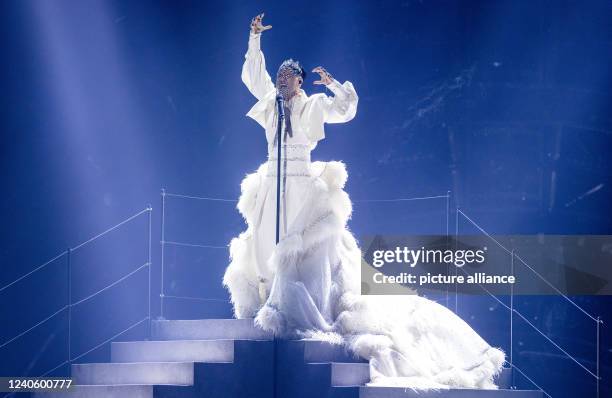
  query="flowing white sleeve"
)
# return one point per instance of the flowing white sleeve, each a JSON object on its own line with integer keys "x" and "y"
{"x": 254, "y": 74}
{"x": 342, "y": 107}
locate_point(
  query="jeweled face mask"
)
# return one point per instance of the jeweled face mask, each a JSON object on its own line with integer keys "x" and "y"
{"x": 284, "y": 84}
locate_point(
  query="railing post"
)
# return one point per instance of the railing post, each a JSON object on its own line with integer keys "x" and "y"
{"x": 447, "y": 238}
{"x": 512, "y": 313}
{"x": 456, "y": 271}
{"x": 150, "y": 210}
{"x": 448, "y": 194}
{"x": 69, "y": 280}
{"x": 163, "y": 243}
{"x": 598, "y": 378}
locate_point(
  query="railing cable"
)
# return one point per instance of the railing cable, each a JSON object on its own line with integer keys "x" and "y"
{"x": 168, "y": 242}
{"x": 199, "y": 197}
{"x": 38, "y": 324}
{"x": 197, "y": 298}
{"x": 111, "y": 285}
{"x": 528, "y": 266}
{"x": 111, "y": 228}
{"x": 34, "y": 270}
{"x": 528, "y": 378}
{"x": 109, "y": 339}
{"x": 402, "y": 199}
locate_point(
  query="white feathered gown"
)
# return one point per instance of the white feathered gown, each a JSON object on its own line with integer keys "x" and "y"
{"x": 312, "y": 277}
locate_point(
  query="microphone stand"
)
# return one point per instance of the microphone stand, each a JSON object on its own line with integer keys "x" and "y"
{"x": 281, "y": 118}
{"x": 279, "y": 128}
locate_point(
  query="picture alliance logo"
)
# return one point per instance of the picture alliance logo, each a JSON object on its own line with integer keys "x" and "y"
{"x": 412, "y": 257}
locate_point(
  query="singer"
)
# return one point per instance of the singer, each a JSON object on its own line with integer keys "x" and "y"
{"x": 308, "y": 285}
{"x": 303, "y": 128}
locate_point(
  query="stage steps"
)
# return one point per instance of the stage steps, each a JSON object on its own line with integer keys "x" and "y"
{"x": 232, "y": 358}
{"x": 185, "y": 358}
{"x": 307, "y": 368}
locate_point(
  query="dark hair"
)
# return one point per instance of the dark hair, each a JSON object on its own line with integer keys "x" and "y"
{"x": 295, "y": 66}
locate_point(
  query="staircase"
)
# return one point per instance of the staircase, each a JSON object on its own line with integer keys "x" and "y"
{"x": 308, "y": 368}
{"x": 185, "y": 358}
{"x": 232, "y": 358}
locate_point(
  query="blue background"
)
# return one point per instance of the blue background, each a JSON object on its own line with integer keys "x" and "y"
{"x": 504, "y": 103}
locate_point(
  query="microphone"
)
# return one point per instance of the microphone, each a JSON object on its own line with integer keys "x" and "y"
{"x": 281, "y": 105}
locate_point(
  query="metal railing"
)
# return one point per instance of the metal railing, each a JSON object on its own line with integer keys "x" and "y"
{"x": 447, "y": 209}
{"x": 164, "y": 242}
{"x": 514, "y": 312}
{"x": 67, "y": 256}
{"x": 162, "y": 294}
{"x": 447, "y": 199}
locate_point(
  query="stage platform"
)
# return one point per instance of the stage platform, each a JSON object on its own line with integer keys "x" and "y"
{"x": 232, "y": 358}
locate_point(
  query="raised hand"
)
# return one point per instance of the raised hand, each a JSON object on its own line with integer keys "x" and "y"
{"x": 256, "y": 25}
{"x": 325, "y": 77}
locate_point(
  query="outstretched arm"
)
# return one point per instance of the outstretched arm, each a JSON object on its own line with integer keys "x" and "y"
{"x": 342, "y": 107}
{"x": 254, "y": 74}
